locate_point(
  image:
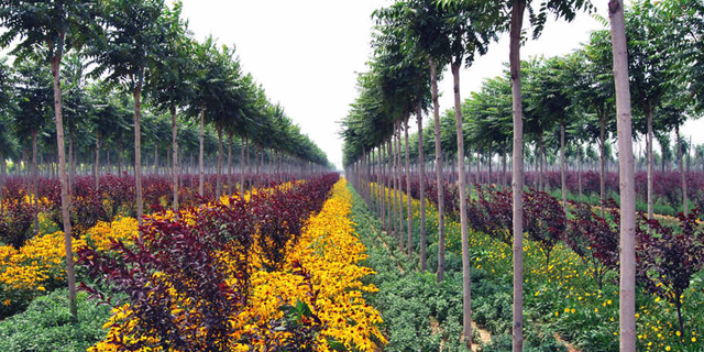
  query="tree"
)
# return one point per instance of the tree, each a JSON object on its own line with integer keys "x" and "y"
{"x": 172, "y": 80}
{"x": 627, "y": 240}
{"x": 58, "y": 26}
{"x": 211, "y": 82}
{"x": 516, "y": 8}
{"x": 33, "y": 109}
{"x": 648, "y": 71}
{"x": 470, "y": 26}
{"x": 598, "y": 97}
{"x": 128, "y": 53}
{"x": 7, "y": 139}
{"x": 426, "y": 23}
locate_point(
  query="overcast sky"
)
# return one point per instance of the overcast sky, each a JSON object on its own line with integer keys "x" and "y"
{"x": 307, "y": 53}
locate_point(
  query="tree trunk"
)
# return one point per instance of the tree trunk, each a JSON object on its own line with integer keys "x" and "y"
{"x": 384, "y": 200}
{"x": 489, "y": 160}
{"x": 138, "y": 154}
{"x": 602, "y": 171}
{"x": 683, "y": 176}
{"x": 35, "y": 171}
{"x": 650, "y": 162}
{"x": 541, "y": 164}
{"x": 627, "y": 246}
{"x": 71, "y": 162}
{"x": 242, "y": 166}
{"x": 563, "y": 165}
{"x": 409, "y": 210}
{"x": 517, "y": 11}
{"x": 70, "y": 272}
{"x": 218, "y": 181}
{"x": 503, "y": 166}
{"x": 201, "y": 161}
{"x": 249, "y": 166}
{"x": 466, "y": 277}
{"x": 119, "y": 156}
{"x": 579, "y": 172}
{"x": 421, "y": 178}
{"x": 438, "y": 169}
{"x": 397, "y": 186}
{"x": 229, "y": 164}
{"x": 97, "y": 161}
{"x": 174, "y": 140}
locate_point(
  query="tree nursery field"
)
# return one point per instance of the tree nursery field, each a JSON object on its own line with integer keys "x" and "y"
{"x": 153, "y": 197}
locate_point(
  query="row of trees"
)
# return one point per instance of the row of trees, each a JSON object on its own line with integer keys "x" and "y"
{"x": 649, "y": 51}
{"x": 114, "y": 53}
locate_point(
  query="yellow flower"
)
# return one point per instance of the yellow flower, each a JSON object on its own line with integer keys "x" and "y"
{"x": 6, "y": 302}
{"x": 694, "y": 339}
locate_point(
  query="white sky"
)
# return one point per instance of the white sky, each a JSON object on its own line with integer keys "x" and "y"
{"x": 306, "y": 53}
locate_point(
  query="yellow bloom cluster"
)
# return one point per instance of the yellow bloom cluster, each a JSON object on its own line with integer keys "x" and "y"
{"x": 24, "y": 274}
{"x": 330, "y": 252}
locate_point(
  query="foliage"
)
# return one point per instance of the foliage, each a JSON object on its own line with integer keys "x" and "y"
{"x": 48, "y": 326}
{"x": 15, "y": 222}
{"x": 200, "y": 280}
{"x": 669, "y": 258}
{"x": 594, "y": 238}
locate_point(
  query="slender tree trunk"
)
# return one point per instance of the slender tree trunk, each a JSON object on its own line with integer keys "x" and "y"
{"x": 466, "y": 277}
{"x": 563, "y": 165}
{"x": 119, "y": 157}
{"x": 70, "y": 272}
{"x": 383, "y": 187}
{"x": 409, "y": 210}
{"x": 399, "y": 183}
{"x": 35, "y": 171}
{"x": 71, "y": 162}
{"x": 541, "y": 165}
{"x": 627, "y": 258}
{"x": 242, "y": 166}
{"x": 156, "y": 158}
{"x": 201, "y": 161}
{"x": 218, "y": 180}
{"x": 229, "y": 164}
{"x": 438, "y": 169}
{"x": 503, "y": 166}
{"x": 515, "y": 67}
{"x": 683, "y": 176}
{"x": 97, "y": 161}
{"x": 421, "y": 178}
{"x": 138, "y": 153}
{"x": 249, "y": 166}
{"x": 602, "y": 171}
{"x": 650, "y": 162}
{"x": 579, "y": 172}
{"x": 397, "y": 187}
{"x": 174, "y": 140}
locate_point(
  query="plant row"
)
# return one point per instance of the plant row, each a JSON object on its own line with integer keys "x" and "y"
{"x": 253, "y": 273}
{"x": 572, "y": 267}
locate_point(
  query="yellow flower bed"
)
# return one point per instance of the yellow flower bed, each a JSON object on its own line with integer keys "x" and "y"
{"x": 24, "y": 274}
{"x": 330, "y": 252}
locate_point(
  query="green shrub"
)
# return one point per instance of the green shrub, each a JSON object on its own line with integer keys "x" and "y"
{"x": 47, "y": 325}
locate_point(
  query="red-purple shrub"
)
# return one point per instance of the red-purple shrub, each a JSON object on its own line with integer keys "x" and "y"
{"x": 543, "y": 220}
{"x": 594, "y": 238}
{"x": 492, "y": 212}
{"x": 668, "y": 258}
{"x": 187, "y": 258}
{"x": 281, "y": 215}
{"x": 16, "y": 220}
